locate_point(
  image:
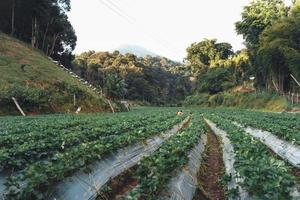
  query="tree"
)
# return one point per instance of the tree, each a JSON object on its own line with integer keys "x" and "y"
{"x": 156, "y": 80}
{"x": 115, "y": 86}
{"x": 279, "y": 51}
{"x": 257, "y": 16}
{"x": 206, "y": 54}
{"x": 43, "y": 23}
{"x": 215, "y": 80}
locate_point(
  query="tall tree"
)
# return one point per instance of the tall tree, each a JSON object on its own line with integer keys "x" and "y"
{"x": 279, "y": 51}
{"x": 207, "y": 53}
{"x": 257, "y": 16}
{"x": 43, "y": 23}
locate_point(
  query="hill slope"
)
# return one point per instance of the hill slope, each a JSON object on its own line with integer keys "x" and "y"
{"x": 40, "y": 86}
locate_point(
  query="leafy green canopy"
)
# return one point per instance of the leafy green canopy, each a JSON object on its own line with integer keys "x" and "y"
{"x": 43, "y": 23}
{"x": 257, "y": 16}
{"x": 207, "y": 53}
{"x": 157, "y": 80}
{"x": 279, "y": 50}
{"x": 216, "y": 67}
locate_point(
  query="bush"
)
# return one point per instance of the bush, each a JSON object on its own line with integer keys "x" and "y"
{"x": 198, "y": 99}
{"x": 259, "y": 100}
{"x": 215, "y": 80}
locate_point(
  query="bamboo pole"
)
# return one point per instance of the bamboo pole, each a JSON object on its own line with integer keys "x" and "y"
{"x": 295, "y": 80}
{"x": 18, "y": 106}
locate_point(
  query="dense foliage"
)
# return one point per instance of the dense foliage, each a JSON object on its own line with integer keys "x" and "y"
{"x": 258, "y": 100}
{"x": 284, "y": 125}
{"x": 271, "y": 30}
{"x": 43, "y": 23}
{"x": 216, "y": 67}
{"x": 265, "y": 176}
{"x": 279, "y": 51}
{"x": 40, "y": 86}
{"x": 155, "y": 171}
{"x": 54, "y": 147}
{"x": 38, "y": 152}
{"x": 157, "y": 80}
{"x": 207, "y": 53}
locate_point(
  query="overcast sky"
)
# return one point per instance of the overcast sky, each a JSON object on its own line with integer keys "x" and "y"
{"x": 166, "y": 27}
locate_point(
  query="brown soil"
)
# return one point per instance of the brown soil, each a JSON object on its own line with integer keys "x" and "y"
{"x": 296, "y": 173}
{"x": 186, "y": 124}
{"x": 119, "y": 186}
{"x": 214, "y": 169}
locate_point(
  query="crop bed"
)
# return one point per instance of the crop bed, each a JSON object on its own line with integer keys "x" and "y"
{"x": 265, "y": 176}
{"x": 40, "y": 158}
{"x": 154, "y": 172}
{"x": 283, "y": 125}
{"x": 36, "y": 153}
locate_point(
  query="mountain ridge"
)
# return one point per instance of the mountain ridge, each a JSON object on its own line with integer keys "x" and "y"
{"x": 136, "y": 50}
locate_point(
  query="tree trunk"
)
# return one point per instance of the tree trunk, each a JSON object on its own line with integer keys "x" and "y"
{"x": 13, "y": 17}
{"x": 47, "y": 51}
{"x": 55, "y": 37}
{"x": 34, "y": 32}
{"x": 45, "y": 35}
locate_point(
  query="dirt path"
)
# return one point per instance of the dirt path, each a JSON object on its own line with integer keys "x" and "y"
{"x": 214, "y": 168}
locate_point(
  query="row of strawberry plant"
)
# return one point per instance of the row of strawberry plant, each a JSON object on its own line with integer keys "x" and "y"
{"x": 265, "y": 176}
{"x": 155, "y": 171}
{"x": 50, "y": 124}
{"x": 285, "y": 126}
{"x": 23, "y": 154}
{"x": 35, "y": 180}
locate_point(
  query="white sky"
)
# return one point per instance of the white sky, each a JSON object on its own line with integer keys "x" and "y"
{"x": 166, "y": 27}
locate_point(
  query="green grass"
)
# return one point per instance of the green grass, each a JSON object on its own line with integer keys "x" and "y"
{"x": 41, "y": 75}
{"x": 264, "y": 101}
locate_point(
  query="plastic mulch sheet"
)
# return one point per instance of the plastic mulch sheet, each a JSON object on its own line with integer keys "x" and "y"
{"x": 284, "y": 149}
{"x": 183, "y": 186}
{"x": 229, "y": 159}
{"x": 83, "y": 186}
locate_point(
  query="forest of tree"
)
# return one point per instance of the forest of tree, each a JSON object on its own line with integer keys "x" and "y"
{"x": 272, "y": 56}
{"x": 42, "y": 23}
{"x": 156, "y": 80}
{"x": 271, "y": 30}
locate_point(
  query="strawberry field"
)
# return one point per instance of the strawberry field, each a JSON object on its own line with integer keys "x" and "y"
{"x": 151, "y": 153}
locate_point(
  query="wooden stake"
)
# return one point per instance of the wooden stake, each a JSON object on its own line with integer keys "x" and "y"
{"x": 18, "y": 106}
{"x": 74, "y": 100}
{"x": 111, "y": 107}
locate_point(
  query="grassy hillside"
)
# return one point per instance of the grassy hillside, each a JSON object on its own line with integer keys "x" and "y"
{"x": 251, "y": 100}
{"x": 41, "y": 87}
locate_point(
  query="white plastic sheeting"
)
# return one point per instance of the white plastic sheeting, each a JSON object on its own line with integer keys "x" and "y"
{"x": 284, "y": 149}
{"x": 183, "y": 186}
{"x": 229, "y": 159}
{"x": 83, "y": 186}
